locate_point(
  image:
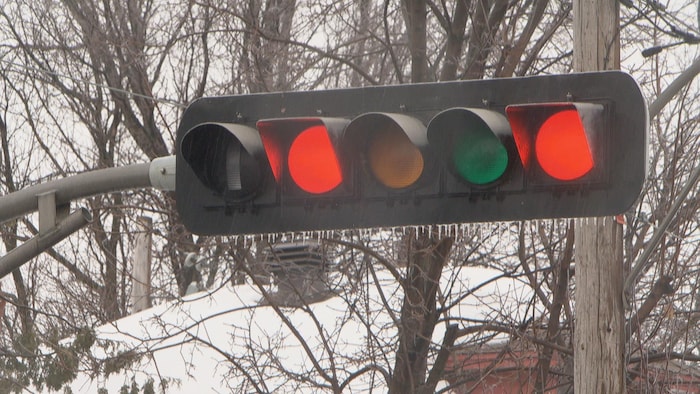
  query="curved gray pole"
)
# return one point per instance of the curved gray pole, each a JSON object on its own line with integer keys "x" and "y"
{"x": 673, "y": 88}
{"x": 33, "y": 247}
{"x": 159, "y": 173}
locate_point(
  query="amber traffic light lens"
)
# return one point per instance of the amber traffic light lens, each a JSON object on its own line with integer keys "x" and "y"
{"x": 393, "y": 159}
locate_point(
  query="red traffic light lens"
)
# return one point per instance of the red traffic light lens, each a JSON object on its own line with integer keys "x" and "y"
{"x": 313, "y": 163}
{"x": 556, "y": 137}
{"x": 562, "y": 148}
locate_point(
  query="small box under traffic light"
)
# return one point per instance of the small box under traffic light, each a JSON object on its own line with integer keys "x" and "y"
{"x": 435, "y": 153}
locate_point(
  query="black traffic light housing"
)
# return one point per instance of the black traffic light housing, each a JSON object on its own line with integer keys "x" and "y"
{"x": 435, "y": 153}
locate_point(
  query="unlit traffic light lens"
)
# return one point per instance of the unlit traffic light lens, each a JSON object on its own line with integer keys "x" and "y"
{"x": 393, "y": 159}
{"x": 313, "y": 163}
{"x": 220, "y": 159}
{"x": 390, "y": 147}
{"x": 562, "y": 148}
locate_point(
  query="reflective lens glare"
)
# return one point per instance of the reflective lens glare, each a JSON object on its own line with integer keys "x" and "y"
{"x": 562, "y": 148}
{"x": 479, "y": 156}
{"x": 312, "y": 161}
{"x": 233, "y": 167}
{"x": 272, "y": 150}
{"x": 243, "y": 173}
{"x": 393, "y": 159}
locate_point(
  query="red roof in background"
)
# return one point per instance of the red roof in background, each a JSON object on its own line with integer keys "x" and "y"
{"x": 507, "y": 371}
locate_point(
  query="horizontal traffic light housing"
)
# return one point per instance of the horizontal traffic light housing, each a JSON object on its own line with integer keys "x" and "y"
{"x": 435, "y": 153}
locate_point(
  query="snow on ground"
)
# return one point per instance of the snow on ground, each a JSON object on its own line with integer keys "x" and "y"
{"x": 175, "y": 336}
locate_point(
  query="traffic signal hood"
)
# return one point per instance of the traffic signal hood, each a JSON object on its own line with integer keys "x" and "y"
{"x": 468, "y": 151}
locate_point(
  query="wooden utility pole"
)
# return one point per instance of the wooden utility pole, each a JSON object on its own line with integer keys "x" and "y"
{"x": 599, "y": 350}
{"x": 141, "y": 277}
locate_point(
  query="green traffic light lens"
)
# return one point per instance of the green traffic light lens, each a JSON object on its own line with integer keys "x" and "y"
{"x": 479, "y": 156}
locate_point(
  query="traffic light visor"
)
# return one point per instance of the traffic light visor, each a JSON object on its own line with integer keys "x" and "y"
{"x": 226, "y": 158}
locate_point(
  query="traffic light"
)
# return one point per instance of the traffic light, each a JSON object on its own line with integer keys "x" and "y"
{"x": 434, "y": 153}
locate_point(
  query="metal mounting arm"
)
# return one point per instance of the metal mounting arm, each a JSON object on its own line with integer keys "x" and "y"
{"x": 160, "y": 173}
{"x": 33, "y": 247}
{"x": 52, "y": 200}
